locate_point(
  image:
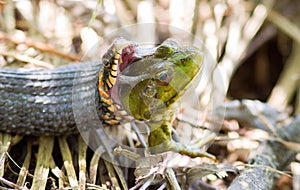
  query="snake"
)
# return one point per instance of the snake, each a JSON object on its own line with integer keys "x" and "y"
{"x": 40, "y": 102}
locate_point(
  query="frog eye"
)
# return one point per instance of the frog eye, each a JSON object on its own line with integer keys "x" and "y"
{"x": 166, "y": 48}
{"x": 147, "y": 115}
{"x": 164, "y": 77}
{"x": 163, "y": 51}
{"x": 150, "y": 91}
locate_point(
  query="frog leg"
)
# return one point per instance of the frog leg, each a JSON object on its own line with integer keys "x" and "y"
{"x": 208, "y": 137}
{"x": 160, "y": 140}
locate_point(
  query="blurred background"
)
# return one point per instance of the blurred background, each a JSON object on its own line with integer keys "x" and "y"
{"x": 255, "y": 43}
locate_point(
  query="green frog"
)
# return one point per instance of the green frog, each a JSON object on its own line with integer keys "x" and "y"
{"x": 149, "y": 86}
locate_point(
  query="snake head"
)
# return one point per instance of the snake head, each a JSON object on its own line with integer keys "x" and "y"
{"x": 119, "y": 55}
{"x": 132, "y": 53}
{"x": 148, "y": 88}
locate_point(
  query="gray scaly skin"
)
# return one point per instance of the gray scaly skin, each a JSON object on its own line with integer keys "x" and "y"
{"x": 44, "y": 102}
{"x": 39, "y": 102}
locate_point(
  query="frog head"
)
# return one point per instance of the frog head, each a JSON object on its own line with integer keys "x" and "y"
{"x": 149, "y": 87}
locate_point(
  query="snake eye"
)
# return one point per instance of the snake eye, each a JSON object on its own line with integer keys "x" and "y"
{"x": 164, "y": 77}
{"x": 105, "y": 62}
{"x": 163, "y": 51}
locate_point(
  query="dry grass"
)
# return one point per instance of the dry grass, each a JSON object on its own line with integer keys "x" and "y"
{"x": 44, "y": 34}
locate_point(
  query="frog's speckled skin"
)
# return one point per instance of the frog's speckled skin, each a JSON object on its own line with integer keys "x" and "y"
{"x": 157, "y": 83}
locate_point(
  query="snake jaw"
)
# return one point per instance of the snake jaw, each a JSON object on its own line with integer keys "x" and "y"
{"x": 127, "y": 54}
{"x": 133, "y": 53}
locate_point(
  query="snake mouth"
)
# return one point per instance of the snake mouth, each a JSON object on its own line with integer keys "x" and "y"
{"x": 133, "y": 53}
{"x": 130, "y": 54}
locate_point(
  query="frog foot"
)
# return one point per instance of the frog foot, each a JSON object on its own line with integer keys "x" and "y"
{"x": 160, "y": 140}
{"x": 181, "y": 149}
{"x": 192, "y": 152}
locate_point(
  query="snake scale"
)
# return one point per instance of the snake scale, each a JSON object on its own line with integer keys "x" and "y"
{"x": 45, "y": 102}
{"x": 40, "y": 102}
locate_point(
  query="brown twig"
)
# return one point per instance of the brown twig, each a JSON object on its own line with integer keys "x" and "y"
{"x": 24, "y": 170}
{"x": 297, "y": 107}
{"x": 27, "y": 59}
{"x": 40, "y": 46}
{"x": 10, "y": 184}
{"x": 285, "y": 25}
{"x": 82, "y": 149}
{"x": 112, "y": 174}
{"x": 68, "y": 162}
{"x": 236, "y": 47}
{"x": 288, "y": 82}
{"x": 42, "y": 164}
{"x": 195, "y": 18}
{"x": 268, "y": 154}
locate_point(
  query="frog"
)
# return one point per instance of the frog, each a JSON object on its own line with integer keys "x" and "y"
{"x": 149, "y": 86}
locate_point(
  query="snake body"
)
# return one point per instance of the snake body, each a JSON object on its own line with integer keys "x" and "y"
{"x": 48, "y": 102}
{"x": 40, "y": 102}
